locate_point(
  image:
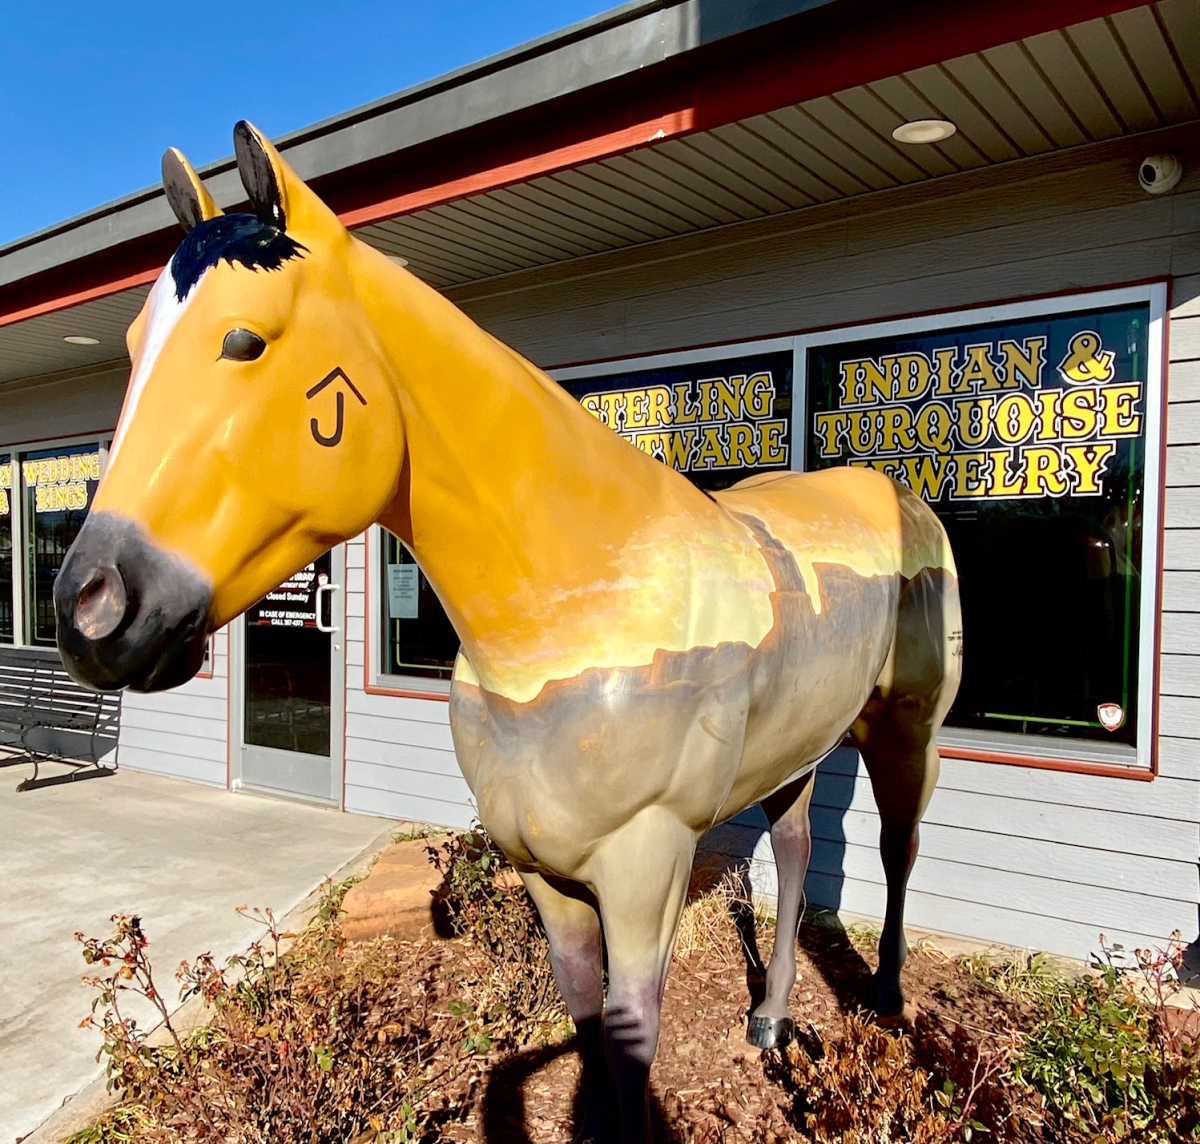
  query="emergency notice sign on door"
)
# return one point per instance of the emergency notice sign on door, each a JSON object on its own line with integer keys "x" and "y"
{"x": 294, "y": 603}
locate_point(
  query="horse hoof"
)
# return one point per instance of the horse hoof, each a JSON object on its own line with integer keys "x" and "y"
{"x": 905, "y": 1019}
{"x": 885, "y": 998}
{"x": 770, "y": 1032}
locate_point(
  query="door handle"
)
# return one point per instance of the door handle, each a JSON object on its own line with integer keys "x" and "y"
{"x": 327, "y": 628}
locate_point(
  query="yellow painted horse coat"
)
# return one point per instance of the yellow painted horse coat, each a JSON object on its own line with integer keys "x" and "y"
{"x": 639, "y": 660}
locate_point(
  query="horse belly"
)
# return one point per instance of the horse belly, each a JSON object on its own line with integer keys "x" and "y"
{"x": 812, "y": 677}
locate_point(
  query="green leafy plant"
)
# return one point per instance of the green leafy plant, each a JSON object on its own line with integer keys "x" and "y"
{"x": 415, "y": 831}
{"x": 1102, "y": 1052}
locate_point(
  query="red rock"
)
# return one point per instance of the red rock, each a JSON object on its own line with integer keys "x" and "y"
{"x": 1183, "y": 1022}
{"x": 396, "y": 897}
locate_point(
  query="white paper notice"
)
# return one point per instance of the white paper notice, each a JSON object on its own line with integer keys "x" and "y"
{"x": 402, "y": 591}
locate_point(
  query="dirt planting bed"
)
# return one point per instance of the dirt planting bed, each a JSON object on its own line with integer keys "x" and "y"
{"x": 463, "y": 1038}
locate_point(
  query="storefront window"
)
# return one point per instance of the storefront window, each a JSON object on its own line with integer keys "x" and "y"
{"x": 58, "y": 488}
{"x": 1035, "y": 436}
{"x": 6, "y": 550}
{"x": 418, "y": 639}
{"x": 1029, "y": 440}
{"x": 717, "y": 421}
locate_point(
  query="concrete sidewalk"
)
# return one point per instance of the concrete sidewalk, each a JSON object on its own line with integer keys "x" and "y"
{"x": 180, "y": 855}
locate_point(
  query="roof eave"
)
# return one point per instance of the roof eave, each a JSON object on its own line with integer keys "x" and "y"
{"x": 620, "y": 42}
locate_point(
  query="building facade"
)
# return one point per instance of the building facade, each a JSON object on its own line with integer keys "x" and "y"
{"x": 704, "y": 226}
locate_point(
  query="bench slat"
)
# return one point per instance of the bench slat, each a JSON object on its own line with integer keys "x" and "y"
{"x": 36, "y": 692}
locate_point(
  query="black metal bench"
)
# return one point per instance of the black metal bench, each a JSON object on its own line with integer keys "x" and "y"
{"x": 46, "y": 716}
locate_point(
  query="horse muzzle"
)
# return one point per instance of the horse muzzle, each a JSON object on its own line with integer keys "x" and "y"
{"x": 129, "y": 614}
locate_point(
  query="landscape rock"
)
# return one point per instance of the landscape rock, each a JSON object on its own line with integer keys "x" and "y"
{"x": 396, "y": 897}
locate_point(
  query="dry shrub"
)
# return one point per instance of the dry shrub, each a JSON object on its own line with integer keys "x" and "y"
{"x": 867, "y": 1088}
{"x": 482, "y": 899}
{"x": 321, "y": 1044}
{"x": 970, "y": 1071}
{"x": 307, "y": 1039}
{"x": 709, "y": 923}
{"x": 864, "y": 1089}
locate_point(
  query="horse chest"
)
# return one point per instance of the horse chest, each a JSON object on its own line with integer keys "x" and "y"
{"x": 553, "y": 777}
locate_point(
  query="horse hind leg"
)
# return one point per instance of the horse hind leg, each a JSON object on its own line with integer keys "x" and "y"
{"x": 770, "y": 1025}
{"x": 896, "y": 734}
{"x": 902, "y": 777}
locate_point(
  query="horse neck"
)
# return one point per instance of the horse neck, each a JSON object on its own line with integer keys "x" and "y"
{"x": 511, "y": 494}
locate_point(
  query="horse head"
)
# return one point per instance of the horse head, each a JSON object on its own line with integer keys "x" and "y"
{"x": 260, "y": 427}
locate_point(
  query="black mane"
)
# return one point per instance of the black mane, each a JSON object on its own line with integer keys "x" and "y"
{"x": 240, "y": 238}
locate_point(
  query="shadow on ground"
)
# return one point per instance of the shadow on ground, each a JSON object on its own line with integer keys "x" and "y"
{"x": 508, "y": 1096}
{"x": 504, "y": 1115}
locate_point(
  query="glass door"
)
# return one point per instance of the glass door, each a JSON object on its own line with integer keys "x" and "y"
{"x": 293, "y": 690}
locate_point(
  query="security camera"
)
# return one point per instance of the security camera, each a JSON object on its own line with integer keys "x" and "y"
{"x": 1157, "y": 174}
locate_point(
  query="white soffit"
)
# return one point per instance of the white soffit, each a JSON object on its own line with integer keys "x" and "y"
{"x": 1104, "y": 79}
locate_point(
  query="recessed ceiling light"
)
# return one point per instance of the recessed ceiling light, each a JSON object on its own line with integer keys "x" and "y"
{"x": 924, "y": 131}
{"x": 398, "y": 259}
{"x": 81, "y": 340}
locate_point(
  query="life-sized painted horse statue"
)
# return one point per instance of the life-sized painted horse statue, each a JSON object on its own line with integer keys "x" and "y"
{"x": 639, "y": 660}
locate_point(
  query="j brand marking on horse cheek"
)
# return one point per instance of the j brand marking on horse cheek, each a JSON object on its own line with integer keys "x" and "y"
{"x": 335, "y": 438}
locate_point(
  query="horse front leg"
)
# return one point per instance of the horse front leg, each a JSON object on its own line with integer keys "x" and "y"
{"x": 576, "y": 955}
{"x": 641, "y": 875}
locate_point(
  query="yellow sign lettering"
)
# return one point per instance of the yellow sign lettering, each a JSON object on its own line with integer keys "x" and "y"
{"x": 1117, "y": 416}
{"x": 970, "y": 475}
{"x": 1044, "y": 471}
{"x": 1023, "y": 362}
{"x": 1079, "y": 413}
{"x": 1090, "y": 461}
{"x": 926, "y": 475}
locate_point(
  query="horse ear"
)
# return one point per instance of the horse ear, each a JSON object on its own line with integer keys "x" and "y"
{"x": 279, "y": 196}
{"x": 188, "y": 196}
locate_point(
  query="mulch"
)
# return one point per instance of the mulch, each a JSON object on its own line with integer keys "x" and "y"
{"x": 707, "y": 1083}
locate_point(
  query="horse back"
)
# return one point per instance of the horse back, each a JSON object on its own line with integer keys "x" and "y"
{"x": 853, "y": 517}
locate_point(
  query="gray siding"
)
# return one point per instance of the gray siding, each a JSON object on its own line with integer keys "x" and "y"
{"x": 65, "y": 408}
{"x": 399, "y": 759}
{"x": 184, "y": 732}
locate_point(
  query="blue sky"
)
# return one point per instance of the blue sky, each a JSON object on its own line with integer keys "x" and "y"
{"x": 92, "y": 94}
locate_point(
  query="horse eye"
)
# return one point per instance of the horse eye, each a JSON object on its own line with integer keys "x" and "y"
{"x": 242, "y": 345}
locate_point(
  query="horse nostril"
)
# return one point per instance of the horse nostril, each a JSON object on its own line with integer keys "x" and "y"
{"x": 102, "y": 603}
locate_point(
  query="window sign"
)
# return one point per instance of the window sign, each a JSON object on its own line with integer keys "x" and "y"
{"x": 59, "y": 485}
{"x": 718, "y": 421}
{"x": 1030, "y": 439}
{"x": 403, "y": 591}
{"x": 294, "y": 603}
{"x": 6, "y": 550}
